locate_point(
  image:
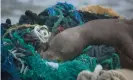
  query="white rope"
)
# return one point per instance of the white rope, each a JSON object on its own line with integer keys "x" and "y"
{"x": 87, "y": 75}
{"x": 15, "y": 55}
{"x": 53, "y": 65}
{"x": 25, "y": 70}
{"x": 98, "y": 68}
{"x": 42, "y": 33}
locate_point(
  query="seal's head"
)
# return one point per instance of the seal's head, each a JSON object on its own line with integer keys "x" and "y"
{"x": 51, "y": 55}
{"x": 58, "y": 54}
{"x": 62, "y": 47}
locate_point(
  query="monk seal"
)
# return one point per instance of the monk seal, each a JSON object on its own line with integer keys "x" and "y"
{"x": 117, "y": 33}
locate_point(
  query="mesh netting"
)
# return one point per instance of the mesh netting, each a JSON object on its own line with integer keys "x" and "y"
{"x": 20, "y": 59}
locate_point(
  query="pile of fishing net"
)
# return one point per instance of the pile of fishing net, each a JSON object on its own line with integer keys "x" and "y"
{"x": 20, "y": 43}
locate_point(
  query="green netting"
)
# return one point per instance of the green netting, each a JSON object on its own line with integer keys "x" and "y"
{"x": 38, "y": 68}
{"x": 67, "y": 70}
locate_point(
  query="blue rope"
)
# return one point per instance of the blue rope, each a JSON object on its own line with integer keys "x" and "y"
{"x": 78, "y": 17}
{"x": 66, "y": 5}
{"x": 8, "y": 64}
{"x": 51, "y": 11}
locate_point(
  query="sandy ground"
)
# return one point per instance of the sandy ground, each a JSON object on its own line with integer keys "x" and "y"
{"x": 13, "y": 9}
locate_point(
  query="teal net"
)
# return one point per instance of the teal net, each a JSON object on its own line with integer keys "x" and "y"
{"x": 21, "y": 60}
{"x": 37, "y": 68}
{"x": 63, "y": 71}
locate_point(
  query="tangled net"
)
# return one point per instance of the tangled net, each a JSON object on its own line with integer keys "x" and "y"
{"x": 21, "y": 59}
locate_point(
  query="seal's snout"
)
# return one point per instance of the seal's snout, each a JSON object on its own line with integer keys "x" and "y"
{"x": 49, "y": 55}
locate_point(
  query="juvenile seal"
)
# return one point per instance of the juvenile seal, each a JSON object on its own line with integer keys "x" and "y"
{"x": 117, "y": 33}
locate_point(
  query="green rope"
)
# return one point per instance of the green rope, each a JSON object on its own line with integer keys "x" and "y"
{"x": 67, "y": 70}
{"x": 112, "y": 61}
{"x": 39, "y": 70}
{"x": 22, "y": 43}
{"x": 37, "y": 67}
{"x": 86, "y": 49}
{"x": 54, "y": 29}
{"x": 15, "y": 27}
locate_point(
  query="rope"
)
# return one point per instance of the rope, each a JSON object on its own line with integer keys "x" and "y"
{"x": 14, "y": 27}
{"x": 20, "y": 42}
{"x": 104, "y": 54}
{"x": 53, "y": 65}
{"x": 54, "y": 29}
{"x": 42, "y": 33}
{"x": 66, "y": 15}
{"x": 19, "y": 59}
{"x": 51, "y": 12}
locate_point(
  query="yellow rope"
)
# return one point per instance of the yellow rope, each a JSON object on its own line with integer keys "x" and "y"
{"x": 14, "y": 27}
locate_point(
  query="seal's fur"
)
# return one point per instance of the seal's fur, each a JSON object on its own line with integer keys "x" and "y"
{"x": 117, "y": 33}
